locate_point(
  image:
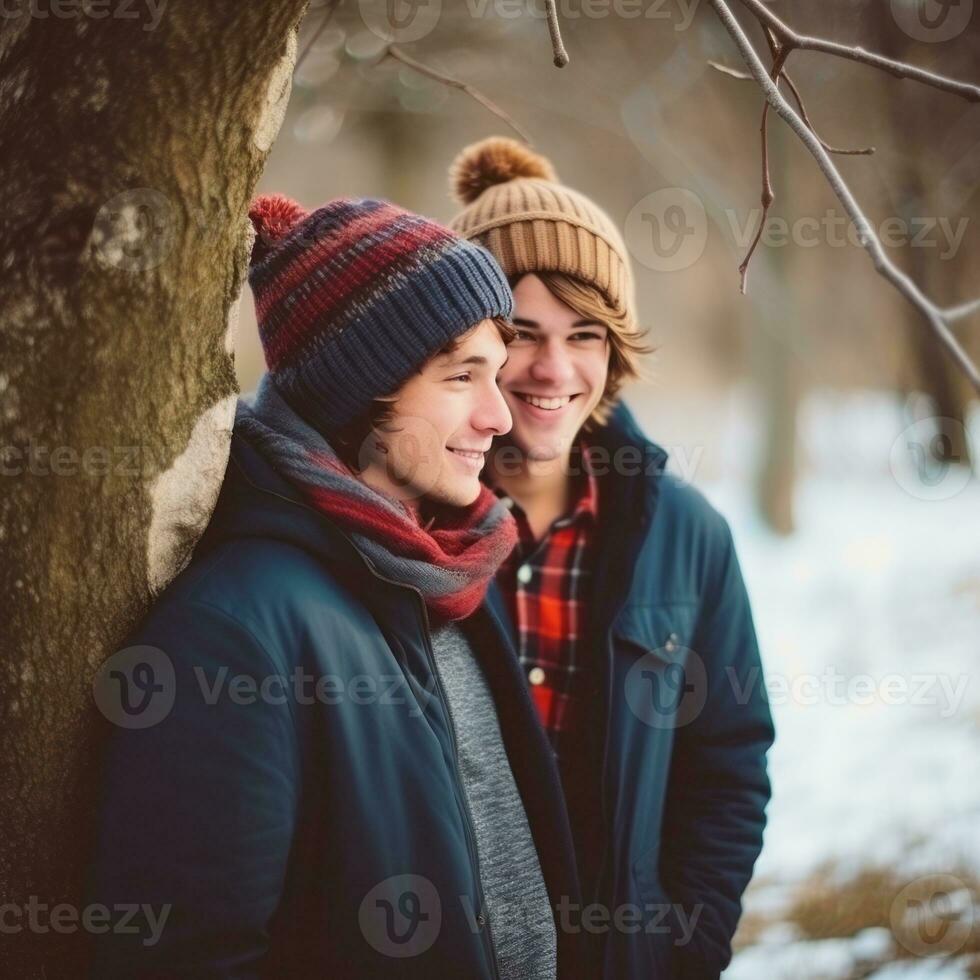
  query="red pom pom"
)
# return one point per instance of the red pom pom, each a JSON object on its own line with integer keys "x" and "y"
{"x": 273, "y": 216}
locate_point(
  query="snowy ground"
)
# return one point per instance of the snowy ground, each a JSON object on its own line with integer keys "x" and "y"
{"x": 869, "y": 622}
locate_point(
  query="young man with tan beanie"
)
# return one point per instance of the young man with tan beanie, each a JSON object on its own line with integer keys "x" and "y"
{"x": 624, "y": 594}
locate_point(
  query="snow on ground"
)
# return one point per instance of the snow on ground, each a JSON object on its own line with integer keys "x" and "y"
{"x": 869, "y": 623}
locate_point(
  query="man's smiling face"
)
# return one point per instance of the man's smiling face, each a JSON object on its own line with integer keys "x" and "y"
{"x": 444, "y": 421}
{"x": 555, "y": 374}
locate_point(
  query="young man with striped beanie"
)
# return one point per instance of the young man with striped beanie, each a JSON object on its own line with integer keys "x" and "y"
{"x": 351, "y": 781}
{"x": 624, "y": 594}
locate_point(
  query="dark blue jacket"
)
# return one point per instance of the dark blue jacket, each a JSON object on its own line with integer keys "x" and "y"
{"x": 681, "y": 723}
{"x": 280, "y": 830}
{"x": 304, "y": 833}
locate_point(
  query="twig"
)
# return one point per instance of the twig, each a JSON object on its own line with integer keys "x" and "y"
{"x": 897, "y": 68}
{"x": 405, "y": 59}
{"x": 746, "y": 77}
{"x": 561, "y": 55}
{"x": 955, "y": 313}
{"x": 935, "y": 317}
{"x": 862, "y": 151}
{"x": 768, "y": 196}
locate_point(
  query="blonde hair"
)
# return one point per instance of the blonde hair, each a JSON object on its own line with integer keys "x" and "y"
{"x": 626, "y": 340}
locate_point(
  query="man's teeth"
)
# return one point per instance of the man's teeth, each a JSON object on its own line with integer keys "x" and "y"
{"x": 468, "y": 453}
{"x": 550, "y": 403}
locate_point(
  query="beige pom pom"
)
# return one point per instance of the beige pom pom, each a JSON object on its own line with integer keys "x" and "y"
{"x": 494, "y": 161}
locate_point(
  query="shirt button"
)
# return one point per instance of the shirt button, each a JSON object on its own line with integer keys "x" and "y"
{"x": 671, "y": 645}
{"x": 524, "y": 574}
{"x": 536, "y": 675}
{"x": 508, "y": 502}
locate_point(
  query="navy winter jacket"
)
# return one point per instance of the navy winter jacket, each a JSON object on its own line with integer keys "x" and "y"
{"x": 680, "y": 724}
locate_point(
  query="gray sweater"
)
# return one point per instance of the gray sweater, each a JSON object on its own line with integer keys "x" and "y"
{"x": 518, "y": 910}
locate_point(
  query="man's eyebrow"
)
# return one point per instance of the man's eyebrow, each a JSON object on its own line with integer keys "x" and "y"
{"x": 521, "y": 322}
{"x": 475, "y": 359}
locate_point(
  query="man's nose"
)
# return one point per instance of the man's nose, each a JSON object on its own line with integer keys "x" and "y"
{"x": 552, "y": 365}
{"x": 492, "y": 413}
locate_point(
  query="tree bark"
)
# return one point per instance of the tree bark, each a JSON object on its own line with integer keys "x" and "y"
{"x": 129, "y": 150}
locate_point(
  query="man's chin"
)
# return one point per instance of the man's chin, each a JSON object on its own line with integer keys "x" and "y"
{"x": 454, "y": 496}
{"x": 542, "y": 449}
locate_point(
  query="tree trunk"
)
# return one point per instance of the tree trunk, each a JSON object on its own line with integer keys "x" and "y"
{"x": 917, "y": 197}
{"x": 129, "y": 150}
{"x": 777, "y": 337}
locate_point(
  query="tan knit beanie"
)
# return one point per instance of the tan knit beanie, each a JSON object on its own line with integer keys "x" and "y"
{"x": 516, "y": 208}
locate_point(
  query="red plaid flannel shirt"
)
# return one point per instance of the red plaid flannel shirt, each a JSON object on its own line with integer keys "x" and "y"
{"x": 547, "y": 585}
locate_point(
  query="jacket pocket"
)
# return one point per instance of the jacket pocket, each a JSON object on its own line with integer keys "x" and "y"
{"x": 665, "y": 681}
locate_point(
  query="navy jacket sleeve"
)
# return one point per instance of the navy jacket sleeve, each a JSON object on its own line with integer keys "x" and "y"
{"x": 198, "y": 810}
{"x": 718, "y": 785}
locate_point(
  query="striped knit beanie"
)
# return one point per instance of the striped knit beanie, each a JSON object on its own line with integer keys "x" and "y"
{"x": 516, "y": 207}
{"x": 354, "y": 297}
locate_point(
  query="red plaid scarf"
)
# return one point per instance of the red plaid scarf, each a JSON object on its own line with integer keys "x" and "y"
{"x": 451, "y": 560}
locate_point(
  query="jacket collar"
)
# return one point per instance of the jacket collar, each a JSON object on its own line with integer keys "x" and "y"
{"x": 257, "y": 502}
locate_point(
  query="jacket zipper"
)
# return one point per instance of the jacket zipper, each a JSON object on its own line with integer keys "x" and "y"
{"x": 467, "y": 815}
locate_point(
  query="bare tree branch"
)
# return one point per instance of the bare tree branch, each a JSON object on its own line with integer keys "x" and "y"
{"x": 899, "y": 69}
{"x": 405, "y": 59}
{"x": 955, "y": 313}
{"x": 561, "y": 55}
{"x": 934, "y": 315}
{"x": 768, "y": 196}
